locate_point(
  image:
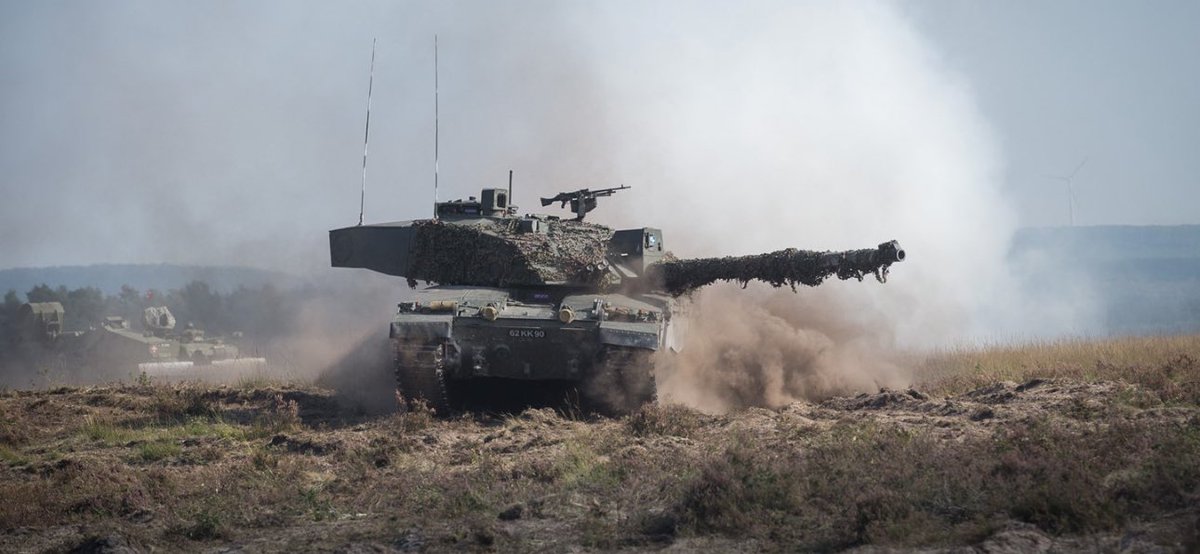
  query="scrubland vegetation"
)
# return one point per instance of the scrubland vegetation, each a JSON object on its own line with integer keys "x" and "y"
{"x": 1070, "y": 446}
{"x": 1166, "y": 366}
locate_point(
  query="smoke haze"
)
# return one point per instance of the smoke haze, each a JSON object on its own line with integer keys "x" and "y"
{"x": 816, "y": 127}
{"x": 230, "y": 133}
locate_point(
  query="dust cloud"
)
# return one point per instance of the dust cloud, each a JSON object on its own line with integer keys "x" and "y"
{"x": 760, "y": 347}
{"x": 742, "y": 128}
{"x": 747, "y": 129}
{"x": 339, "y": 340}
{"x": 815, "y": 127}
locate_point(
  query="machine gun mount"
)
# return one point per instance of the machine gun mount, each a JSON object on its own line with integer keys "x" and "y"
{"x": 582, "y": 201}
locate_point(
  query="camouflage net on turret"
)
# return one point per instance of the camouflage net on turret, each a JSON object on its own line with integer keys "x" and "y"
{"x": 493, "y": 253}
{"x": 784, "y": 267}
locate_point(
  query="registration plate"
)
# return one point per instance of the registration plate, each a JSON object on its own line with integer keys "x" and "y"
{"x": 527, "y": 333}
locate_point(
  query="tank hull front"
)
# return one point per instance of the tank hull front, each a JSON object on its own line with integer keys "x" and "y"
{"x": 522, "y": 349}
{"x": 525, "y": 341}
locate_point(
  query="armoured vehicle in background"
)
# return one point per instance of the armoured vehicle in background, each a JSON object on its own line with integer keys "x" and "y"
{"x": 160, "y": 349}
{"x": 539, "y": 298}
{"x": 114, "y": 350}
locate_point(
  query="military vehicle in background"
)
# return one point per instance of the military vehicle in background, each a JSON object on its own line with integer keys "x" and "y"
{"x": 170, "y": 352}
{"x": 538, "y": 298}
{"x": 114, "y": 350}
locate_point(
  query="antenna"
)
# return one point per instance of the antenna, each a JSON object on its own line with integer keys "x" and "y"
{"x": 509, "y": 188}
{"x": 435, "y": 125}
{"x": 362, "y": 196}
{"x": 1069, "y": 180}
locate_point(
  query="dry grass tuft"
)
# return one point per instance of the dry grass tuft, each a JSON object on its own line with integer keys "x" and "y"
{"x": 14, "y": 430}
{"x": 179, "y": 403}
{"x": 666, "y": 419}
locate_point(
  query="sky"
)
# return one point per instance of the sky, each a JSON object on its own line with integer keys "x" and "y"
{"x": 1112, "y": 83}
{"x": 231, "y": 132}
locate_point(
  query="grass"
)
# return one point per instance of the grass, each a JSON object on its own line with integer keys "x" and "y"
{"x": 666, "y": 420}
{"x": 12, "y": 457}
{"x": 581, "y": 467}
{"x": 173, "y": 467}
{"x": 159, "y": 450}
{"x": 1168, "y": 366}
{"x": 869, "y": 484}
{"x": 12, "y": 430}
{"x": 182, "y": 403}
{"x": 112, "y": 434}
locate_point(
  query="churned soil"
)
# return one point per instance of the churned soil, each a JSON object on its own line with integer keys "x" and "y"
{"x": 1063, "y": 465}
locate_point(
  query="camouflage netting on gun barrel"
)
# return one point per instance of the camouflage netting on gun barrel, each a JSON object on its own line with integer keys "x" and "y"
{"x": 784, "y": 267}
{"x": 496, "y": 254}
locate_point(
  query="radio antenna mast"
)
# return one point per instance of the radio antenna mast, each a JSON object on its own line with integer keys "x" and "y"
{"x": 435, "y": 125}
{"x": 362, "y": 196}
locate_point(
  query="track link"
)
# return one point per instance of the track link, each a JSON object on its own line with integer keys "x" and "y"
{"x": 420, "y": 376}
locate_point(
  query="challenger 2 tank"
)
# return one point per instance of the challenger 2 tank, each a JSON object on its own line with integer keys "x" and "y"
{"x": 539, "y": 298}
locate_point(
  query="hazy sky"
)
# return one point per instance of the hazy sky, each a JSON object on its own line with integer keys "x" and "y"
{"x": 1117, "y": 83}
{"x": 230, "y": 132}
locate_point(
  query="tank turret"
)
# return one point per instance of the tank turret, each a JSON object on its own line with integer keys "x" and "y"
{"x": 541, "y": 298}
{"x": 158, "y": 320}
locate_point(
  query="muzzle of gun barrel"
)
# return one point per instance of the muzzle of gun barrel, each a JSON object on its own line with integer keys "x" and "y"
{"x": 890, "y": 251}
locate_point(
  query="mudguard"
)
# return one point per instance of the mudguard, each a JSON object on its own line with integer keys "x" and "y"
{"x": 422, "y": 327}
{"x": 633, "y": 335}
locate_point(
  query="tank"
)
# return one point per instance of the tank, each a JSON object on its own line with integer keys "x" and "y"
{"x": 539, "y": 298}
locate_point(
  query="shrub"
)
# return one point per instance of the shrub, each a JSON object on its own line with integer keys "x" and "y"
{"x": 284, "y": 415}
{"x": 158, "y": 450}
{"x": 206, "y": 525}
{"x": 180, "y": 404}
{"x": 665, "y": 419}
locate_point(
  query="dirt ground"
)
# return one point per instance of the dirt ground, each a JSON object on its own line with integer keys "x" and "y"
{"x": 1046, "y": 465}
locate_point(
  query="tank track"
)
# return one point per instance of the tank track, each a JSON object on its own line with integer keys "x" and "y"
{"x": 420, "y": 376}
{"x": 622, "y": 380}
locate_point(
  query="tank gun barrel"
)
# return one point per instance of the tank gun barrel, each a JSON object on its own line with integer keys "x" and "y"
{"x": 789, "y": 267}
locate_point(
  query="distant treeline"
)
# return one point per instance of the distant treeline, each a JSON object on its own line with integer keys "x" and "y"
{"x": 262, "y": 312}
{"x": 110, "y": 277}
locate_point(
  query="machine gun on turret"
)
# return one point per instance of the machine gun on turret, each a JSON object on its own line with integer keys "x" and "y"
{"x": 582, "y": 201}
